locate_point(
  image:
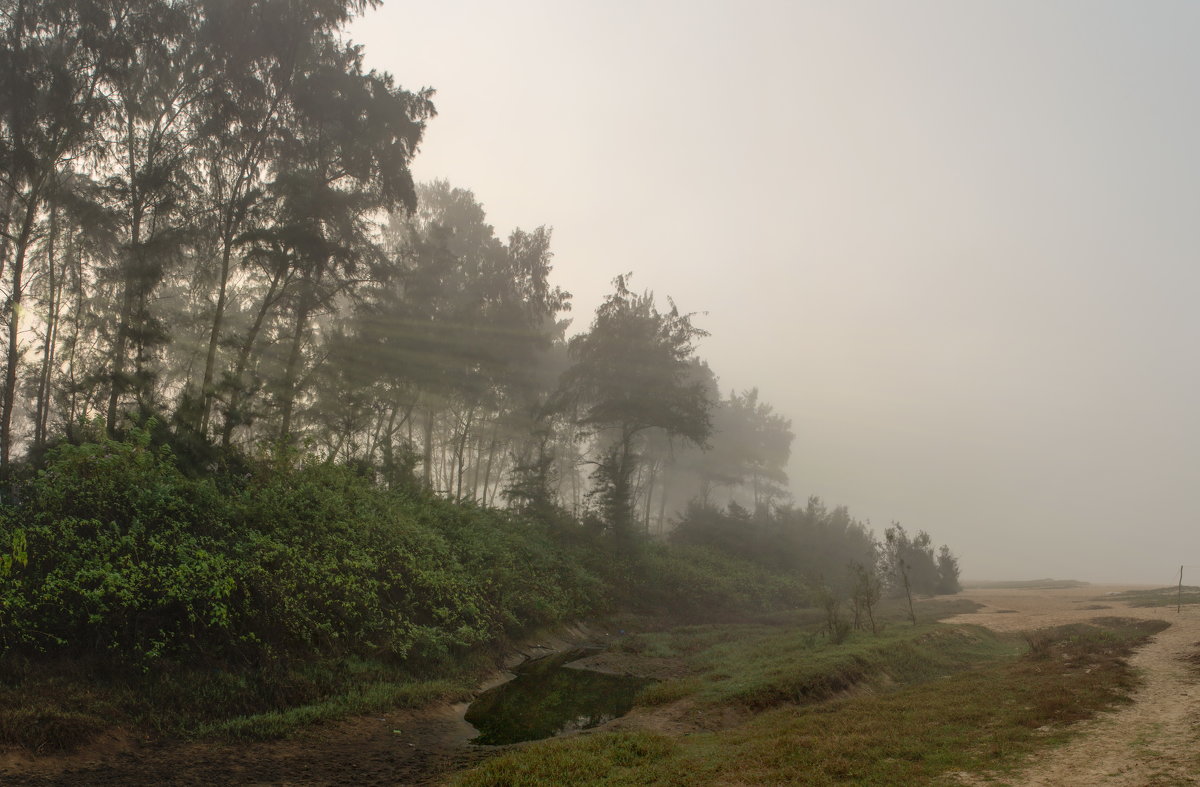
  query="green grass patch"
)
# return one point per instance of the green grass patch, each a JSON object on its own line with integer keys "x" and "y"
{"x": 1159, "y": 597}
{"x": 370, "y": 698}
{"x": 756, "y": 665}
{"x": 980, "y": 719}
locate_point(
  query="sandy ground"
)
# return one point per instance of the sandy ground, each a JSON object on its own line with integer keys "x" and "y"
{"x": 1153, "y": 741}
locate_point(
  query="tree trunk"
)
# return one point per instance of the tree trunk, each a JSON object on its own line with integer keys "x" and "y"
{"x": 487, "y": 475}
{"x": 76, "y": 319}
{"x": 460, "y": 454}
{"x": 54, "y": 288}
{"x": 292, "y": 372}
{"x": 14, "y": 334}
{"x": 236, "y": 397}
{"x": 128, "y": 296}
{"x": 214, "y": 336}
{"x": 662, "y": 502}
{"x": 652, "y": 471}
{"x": 5, "y": 221}
{"x": 427, "y": 449}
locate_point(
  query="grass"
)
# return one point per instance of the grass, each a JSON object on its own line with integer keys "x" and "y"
{"x": 370, "y": 698}
{"x": 754, "y": 668}
{"x": 756, "y": 665}
{"x": 1160, "y": 597}
{"x": 981, "y": 704}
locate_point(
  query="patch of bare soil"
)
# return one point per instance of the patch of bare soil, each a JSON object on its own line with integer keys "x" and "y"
{"x": 1155, "y": 740}
{"x": 408, "y": 747}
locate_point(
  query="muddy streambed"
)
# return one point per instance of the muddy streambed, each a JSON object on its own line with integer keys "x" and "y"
{"x": 548, "y": 697}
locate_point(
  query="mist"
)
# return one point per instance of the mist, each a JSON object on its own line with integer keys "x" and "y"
{"x": 951, "y": 243}
{"x": 776, "y": 392}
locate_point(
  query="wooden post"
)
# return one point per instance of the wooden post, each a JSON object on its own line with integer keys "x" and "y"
{"x": 1179, "y": 598}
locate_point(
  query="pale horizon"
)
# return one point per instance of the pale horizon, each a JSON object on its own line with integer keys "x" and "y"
{"x": 954, "y": 243}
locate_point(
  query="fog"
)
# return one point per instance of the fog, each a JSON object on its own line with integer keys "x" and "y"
{"x": 953, "y": 242}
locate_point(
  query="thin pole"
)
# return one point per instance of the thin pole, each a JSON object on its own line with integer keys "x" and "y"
{"x": 1179, "y": 598}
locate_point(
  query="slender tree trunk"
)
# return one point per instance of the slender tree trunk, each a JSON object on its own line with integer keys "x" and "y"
{"x": 462, "y": 450}
{"x": 54, "y": 287}
{"x": 662, "y": 502}
{"x": 444, "y": 470}
{"x": 655, "y": 471}
{"x": 76, "y": 322}
{"x": 912, "y": 614}
{"x": 388, "y": 443}
{"x": 476, "y": 468}
{"x": 292, "y": 372}
{"x": 128, "y": 296}
{"x": 487, "y": 475}
{"x": 214, "y": 337}
{"x": 427, "y": 448}
{"x": 14, "y": 334}
{"x": 237, "y": 397}
{"x": 5, "y": 221}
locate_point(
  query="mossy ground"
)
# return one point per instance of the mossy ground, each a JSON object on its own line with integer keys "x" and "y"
{"x": 938, "y": 698}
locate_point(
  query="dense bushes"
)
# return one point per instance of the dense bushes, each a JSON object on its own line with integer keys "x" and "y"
{"x": 827, "y": 547}
{"x": 113, "y": 552}
{"x": 706, "y": 583}
{"x": 123, "y": 554}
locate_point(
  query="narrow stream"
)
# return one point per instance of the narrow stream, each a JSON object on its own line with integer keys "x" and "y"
{"x": 548, "y": 698}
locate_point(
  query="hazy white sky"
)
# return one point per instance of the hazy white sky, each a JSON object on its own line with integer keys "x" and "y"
{"x": 956, "y": 242}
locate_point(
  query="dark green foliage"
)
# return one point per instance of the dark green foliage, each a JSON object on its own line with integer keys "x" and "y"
{"x": 704, "y": 583}
{"x": 813, "y": 542}
{"x": 911, "y": 560}
{"x": 114, "y": 552}
{"x": 128, "y": 556}
{"x": 634, "y": 371}
{"x": 947, "y": 565}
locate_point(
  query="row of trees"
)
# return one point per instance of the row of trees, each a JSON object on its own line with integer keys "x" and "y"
{"x": 839, "y": 553}
{"x": 187, "y": 192}
{"x": 207, "y": 217}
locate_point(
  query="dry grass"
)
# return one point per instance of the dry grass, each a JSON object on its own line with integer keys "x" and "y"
{"x": 976, "y": 719}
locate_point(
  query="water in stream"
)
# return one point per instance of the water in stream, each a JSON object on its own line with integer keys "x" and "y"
{"x": 547, "y": 698}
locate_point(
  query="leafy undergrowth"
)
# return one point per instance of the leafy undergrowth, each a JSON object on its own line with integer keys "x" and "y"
{"x": 1160, "y": 597}
{"x": 977, "y": 719}
{"x": 250, "y": 603}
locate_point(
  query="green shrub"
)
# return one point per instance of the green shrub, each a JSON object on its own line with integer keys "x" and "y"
{"x": 122, "y": 553}
{"x": 702, "y": 582}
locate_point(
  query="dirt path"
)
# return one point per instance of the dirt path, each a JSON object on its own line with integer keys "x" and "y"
{"x": 1153, "y": 741}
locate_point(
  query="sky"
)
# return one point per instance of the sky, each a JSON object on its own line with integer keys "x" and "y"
{"x": 955, "y": 242}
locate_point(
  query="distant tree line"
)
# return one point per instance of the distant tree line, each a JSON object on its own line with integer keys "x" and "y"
{"x": 208, "y": 225}
{"x": 839, "y": 553}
